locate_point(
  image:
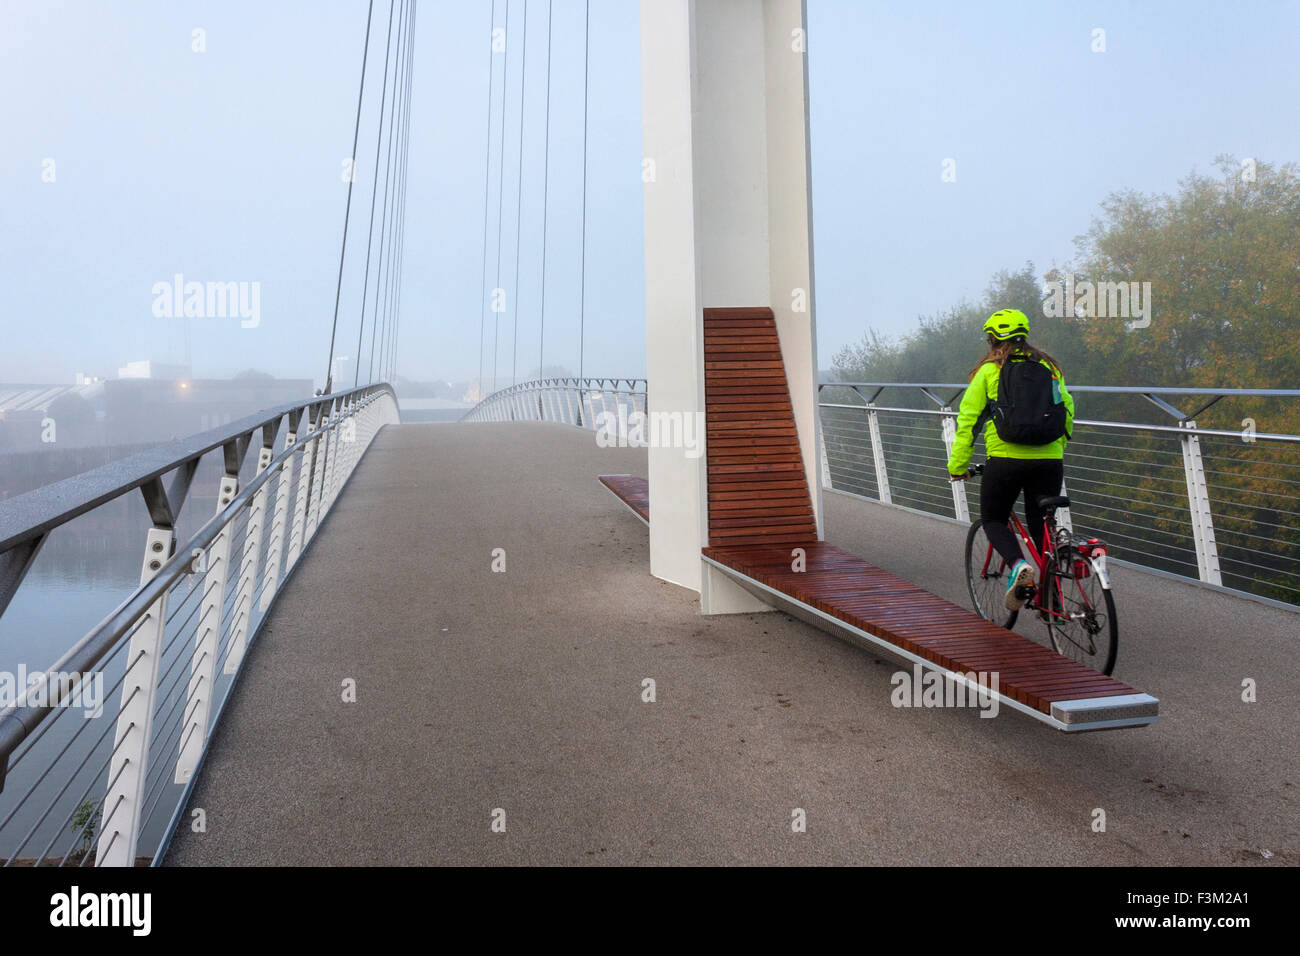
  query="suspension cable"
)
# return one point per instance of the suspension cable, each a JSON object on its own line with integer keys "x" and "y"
{"x": 487, "y": 175}
{"x": 582, "y": 287}
{"x": 546, "y": 162}
{"x": 374, "y": 189}
{"x": 386, "y": 330}
{"x": 347, "y": 209}
{"x": 519, "y": 200}
{"x": 383, "y": 219}
{"x": 406, "y": 154}
{"x": 501, "y": 173}
{"x": 386, "y": 250}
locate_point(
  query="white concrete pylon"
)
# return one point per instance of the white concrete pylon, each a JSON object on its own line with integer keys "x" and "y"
{"x": 727, "y": 224}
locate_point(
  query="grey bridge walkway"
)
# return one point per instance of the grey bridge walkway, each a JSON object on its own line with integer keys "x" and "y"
{"x": 522, "y": 691}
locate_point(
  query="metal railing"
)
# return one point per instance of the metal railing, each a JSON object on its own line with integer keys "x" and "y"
{"x": 1217, "y": 505}
{"x": 569, "y": 401}
{"x": 107, "y": 788}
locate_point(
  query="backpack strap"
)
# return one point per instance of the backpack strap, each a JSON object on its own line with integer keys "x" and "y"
{"x": 986, "y": 415}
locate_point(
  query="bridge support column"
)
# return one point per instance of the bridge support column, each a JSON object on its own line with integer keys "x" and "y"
{"x": 727, "y": 224}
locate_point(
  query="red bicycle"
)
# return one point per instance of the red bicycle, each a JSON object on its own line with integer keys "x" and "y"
{"x": 1071, "y": 594}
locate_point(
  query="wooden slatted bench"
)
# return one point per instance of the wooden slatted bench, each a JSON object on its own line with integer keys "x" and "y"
{"x": 885, "y": 611}
{"x": 758, "y": 493}
{"x": 842, "y": 593}
{"x": 632, "y": 491}
{"x": 760, "y": 511}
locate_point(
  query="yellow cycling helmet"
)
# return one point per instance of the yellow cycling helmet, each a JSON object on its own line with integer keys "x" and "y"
{"x": 1007, "y": 324}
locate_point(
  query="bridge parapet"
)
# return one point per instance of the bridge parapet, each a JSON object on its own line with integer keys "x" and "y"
{"x": 568, "y": 401}
{"x": 160, "y": 667}
{"x": 1218, "y": 505}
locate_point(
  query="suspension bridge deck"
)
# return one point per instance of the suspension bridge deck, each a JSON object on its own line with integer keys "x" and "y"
{"x": 523, "y": 691}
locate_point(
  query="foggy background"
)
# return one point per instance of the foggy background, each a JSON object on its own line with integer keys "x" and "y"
{"x": 226, "y": 165}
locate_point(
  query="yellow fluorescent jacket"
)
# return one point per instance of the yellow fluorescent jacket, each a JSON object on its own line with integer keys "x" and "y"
{"x": 983, "y": 388}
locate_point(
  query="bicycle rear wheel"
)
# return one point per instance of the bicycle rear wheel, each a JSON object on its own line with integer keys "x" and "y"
{"x": 1080, "y": 616}
{"x": 986, "y": 577}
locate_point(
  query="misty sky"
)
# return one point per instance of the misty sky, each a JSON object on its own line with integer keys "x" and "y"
{"x": 225, "y": 165}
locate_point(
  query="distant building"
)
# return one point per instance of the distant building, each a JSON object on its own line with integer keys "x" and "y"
{"x": 33, "y": 417}
{"x": 154, "y": 409}
{"x": 148, "y": 368}
{"x": 133, "y": 411}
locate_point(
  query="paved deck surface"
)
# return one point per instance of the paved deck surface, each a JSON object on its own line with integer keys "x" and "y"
{"x": 522, "y": 691}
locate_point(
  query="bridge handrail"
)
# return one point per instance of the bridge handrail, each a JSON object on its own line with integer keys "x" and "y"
{"x": 567, "y": 400}
{"x": 1153, "y": 394}
{"x": 1165, "y": 517}
{"x": 26, "y": 516}
{"x": 1174, "y": 496}
{"x": 46, "y": 509}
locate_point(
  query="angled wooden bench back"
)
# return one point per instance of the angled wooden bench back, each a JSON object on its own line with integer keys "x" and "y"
{"x": 758, "y": 492}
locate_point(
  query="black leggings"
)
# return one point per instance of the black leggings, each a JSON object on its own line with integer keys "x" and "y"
{"x": 1004, "y": 480}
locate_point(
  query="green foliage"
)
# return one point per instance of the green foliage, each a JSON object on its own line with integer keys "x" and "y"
{"x": 85, "y": 824}
{"x": 1222, "y": 256}
{"x": 1223, "y": 259}
{"x": 946, "y": 346}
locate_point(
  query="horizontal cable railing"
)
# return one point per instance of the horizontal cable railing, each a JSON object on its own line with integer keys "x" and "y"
{"x": 105, "y": 785}
{"x": 1218, "y": 505}
{"x": 569, "y": 401}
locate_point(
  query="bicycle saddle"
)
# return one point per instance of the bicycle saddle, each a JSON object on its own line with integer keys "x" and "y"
{"x": 1048, "y": 502}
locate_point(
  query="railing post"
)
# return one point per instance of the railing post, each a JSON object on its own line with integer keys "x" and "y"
{"x": 878, "y": 456}
{"x": 1198, "y": 502}
{"x": 959, "y": 505}
{"x": 129, "y": 766}
{"x": 825, "y": 461}
{"x": 320, "y": 445}
{"x": 207, "y": 640}
{"x": 284, "y": 489}
{"x": 339, "y": 453}
{"x": 330, "y": 438}
{"x": 242, "y": 612}
{"x": 296, "y": 536}
{"x": 1063, "y": 517}
{"x": 348, "y": 445}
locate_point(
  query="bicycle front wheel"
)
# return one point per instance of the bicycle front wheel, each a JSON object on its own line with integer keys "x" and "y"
{"x": 986, "y": 576}
{"x": 1080, "y": 616}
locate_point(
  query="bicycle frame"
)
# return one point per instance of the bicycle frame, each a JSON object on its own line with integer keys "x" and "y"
{"x": 1042, "y": 559}
{"x": 1061, "y": 557}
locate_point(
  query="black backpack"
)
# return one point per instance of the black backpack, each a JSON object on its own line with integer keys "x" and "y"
{"x": 1028, "y": 409}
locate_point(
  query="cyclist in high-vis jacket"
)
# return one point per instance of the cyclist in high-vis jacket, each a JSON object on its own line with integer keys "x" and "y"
{"x": 1037, "y": 470}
